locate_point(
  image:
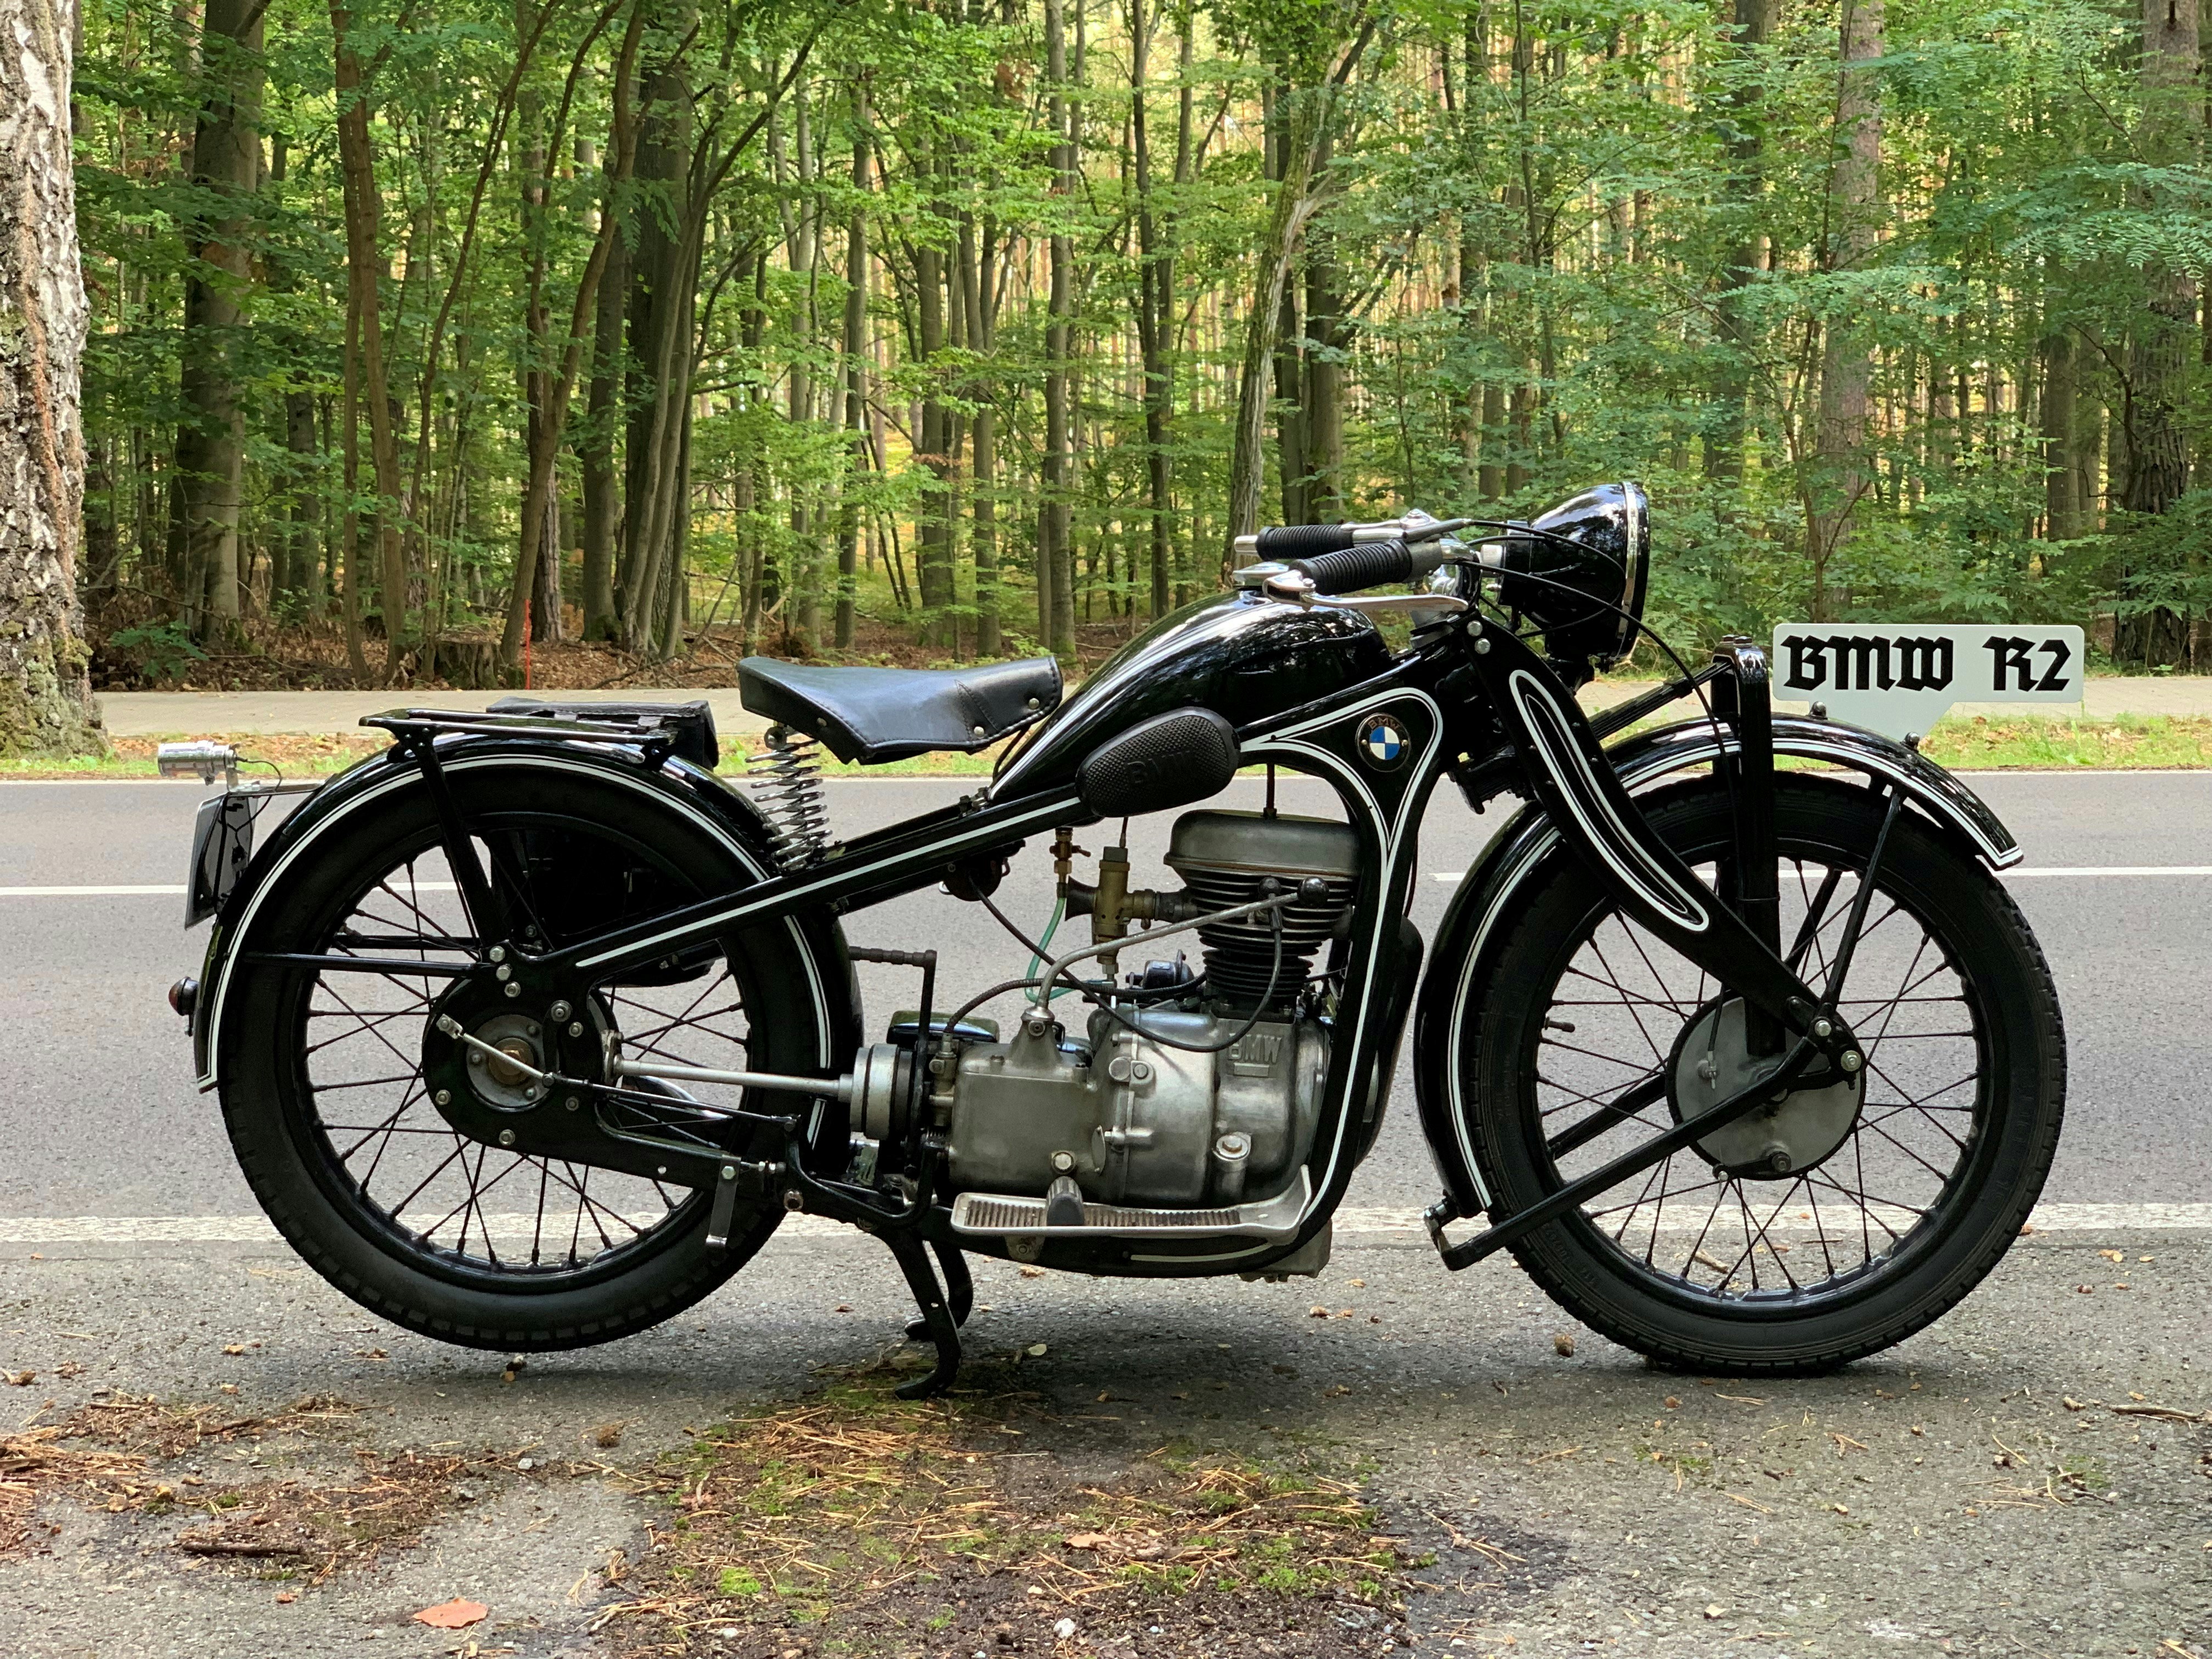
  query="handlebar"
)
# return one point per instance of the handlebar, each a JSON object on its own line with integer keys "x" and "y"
{"x": 1342, "y": 558}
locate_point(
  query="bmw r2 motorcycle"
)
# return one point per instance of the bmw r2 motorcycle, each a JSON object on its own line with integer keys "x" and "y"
{"x": 529, "y": 1031}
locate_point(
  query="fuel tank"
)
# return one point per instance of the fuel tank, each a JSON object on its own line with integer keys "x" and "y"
{"x": 1243, "y": 656}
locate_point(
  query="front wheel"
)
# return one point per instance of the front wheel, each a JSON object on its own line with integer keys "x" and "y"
{"x": 1839, "y": 1222}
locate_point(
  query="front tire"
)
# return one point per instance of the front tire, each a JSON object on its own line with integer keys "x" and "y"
{"x": 1702, "y": 1268}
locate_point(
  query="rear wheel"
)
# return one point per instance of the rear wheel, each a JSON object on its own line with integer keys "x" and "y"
{"x": 337, "y": 1131}
{"x": 1847, "y": 1217}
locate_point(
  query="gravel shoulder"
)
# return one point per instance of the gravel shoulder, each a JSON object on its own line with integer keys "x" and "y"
{"x": 2033, "y": 1475}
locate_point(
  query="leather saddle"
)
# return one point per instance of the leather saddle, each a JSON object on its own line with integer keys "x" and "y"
{"x": 876, "y": 714}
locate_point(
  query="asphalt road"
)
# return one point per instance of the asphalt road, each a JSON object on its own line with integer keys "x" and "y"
{"x": 2028, "y": 1476}
{"x": 97, "y": 1070}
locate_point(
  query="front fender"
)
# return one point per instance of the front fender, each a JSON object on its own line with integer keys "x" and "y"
{"x": 675, "y": 785}
{"x": 1468, "y": 933}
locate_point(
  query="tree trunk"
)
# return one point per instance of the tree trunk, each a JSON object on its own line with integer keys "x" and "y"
{"x": 2158, "y": 459}
{"x": 1841, "y": 473}
{"x": 856, "y": 393}
{"x": 1055, "y": 575}
{"x": 364, "y": 211}
{"x": 2062, "y": 517}
{"x": 1305, "y": 131}
{"x": 46, "y": 699}
{"x": 1742, "y": 114}
{"x": 662, "y": 295}
{"x": 226, "y": 169}
{"x": 1155, "y": 299}
{"x": 1327, "y": 334}
{"x": 601, "y": 487}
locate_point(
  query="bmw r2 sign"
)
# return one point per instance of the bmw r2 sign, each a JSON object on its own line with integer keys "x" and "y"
{"x": 1898, "y": 678}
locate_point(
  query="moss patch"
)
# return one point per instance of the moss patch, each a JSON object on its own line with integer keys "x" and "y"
{"x": 862, "y": 1524}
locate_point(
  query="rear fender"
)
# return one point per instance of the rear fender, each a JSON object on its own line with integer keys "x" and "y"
{"x": 675, "y": 785}
{"x": 1469, "y": 933}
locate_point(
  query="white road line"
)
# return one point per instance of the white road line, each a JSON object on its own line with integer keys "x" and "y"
{"x": 2107, "y": 1218}
{"x": 173, "y": 891}
{"x": 2082, "y": 871}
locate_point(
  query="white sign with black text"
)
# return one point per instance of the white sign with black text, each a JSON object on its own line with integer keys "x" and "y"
{"x": 1899, "y": 678}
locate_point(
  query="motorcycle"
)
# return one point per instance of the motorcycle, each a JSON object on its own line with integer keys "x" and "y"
{"x": 529, "y": 1031}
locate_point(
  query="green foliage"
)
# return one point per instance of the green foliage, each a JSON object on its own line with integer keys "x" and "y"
{"x": 1605, "y": 246}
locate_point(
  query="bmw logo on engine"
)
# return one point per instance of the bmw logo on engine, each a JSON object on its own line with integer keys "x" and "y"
{"x": 1383, "y": 740}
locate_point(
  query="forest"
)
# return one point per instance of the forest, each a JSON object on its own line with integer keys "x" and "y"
{"x": 654, "y": 333}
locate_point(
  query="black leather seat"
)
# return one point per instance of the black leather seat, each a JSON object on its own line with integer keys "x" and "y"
{"x": 873, "y": 714}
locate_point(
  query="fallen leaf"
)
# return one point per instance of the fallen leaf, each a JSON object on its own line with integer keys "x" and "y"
{"x": 371, "y": 1353}
{"x": 455, "y": 1614}
{"x": 2026, "y": 1229}
{"x": 842, "y": 1307}
{"x": 2084, "y": 1290}
{"x": 1840, "y": 1508}
{"x": 20, "y": 1379}
{"x": 70, "y": 1368}
{"x": 1034, "y": 1351}
{"x": 1563, "y": 1344}
{"x": 283, "y": 1596}
{"x": 1673, "y": 1404}
{"x": 1032, "y": 1273}
{"x": 1316, "y": 1313}
{"x": 607, "y": 1435}
{"x": 234, "y": 1349}
{"x": 2113, "y": 1256}
{"x": 1361, "y": 1284}
{"x": 1086, "y": 1541}
{"x": 1717, "y": 1611}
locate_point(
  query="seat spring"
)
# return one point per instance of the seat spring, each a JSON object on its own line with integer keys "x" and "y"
{"x": 788, "y": 784}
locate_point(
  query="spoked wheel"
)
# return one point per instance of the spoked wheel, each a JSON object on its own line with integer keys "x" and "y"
{"x": 349, "y": 1148}
{"x": 1828, "y": 1225}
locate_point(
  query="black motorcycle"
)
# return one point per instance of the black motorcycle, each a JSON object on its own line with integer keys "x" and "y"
{"x": 529, "y": 1031}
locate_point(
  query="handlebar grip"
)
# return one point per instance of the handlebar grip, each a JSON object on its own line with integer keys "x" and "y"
{"x": 1298, "y": 541}
{"x": 1355, "y": 568}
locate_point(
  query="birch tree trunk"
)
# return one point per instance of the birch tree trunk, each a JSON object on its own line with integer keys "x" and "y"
{"x": 46, "y": 699}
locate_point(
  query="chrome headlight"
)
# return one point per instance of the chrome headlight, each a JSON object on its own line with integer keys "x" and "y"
{"x": 1584, "y": 583}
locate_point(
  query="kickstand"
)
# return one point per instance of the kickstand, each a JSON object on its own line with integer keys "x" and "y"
{"x": 938, "y": 1321}
{"x": 959, "y": 1289}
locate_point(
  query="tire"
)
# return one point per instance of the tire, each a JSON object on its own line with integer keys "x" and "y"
{"x": 1948, "y": 976}
{"x": 335, "y": 1177}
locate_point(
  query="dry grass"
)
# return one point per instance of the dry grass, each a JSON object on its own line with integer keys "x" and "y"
{"x": 881, "y": 1528}
{"x": 107, "y": 1456}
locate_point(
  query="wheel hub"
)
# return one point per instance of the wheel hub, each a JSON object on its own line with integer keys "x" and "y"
{"x": 1779, "y": 1137}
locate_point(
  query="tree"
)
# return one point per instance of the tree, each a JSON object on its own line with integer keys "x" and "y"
{"x": 45, "y": 698}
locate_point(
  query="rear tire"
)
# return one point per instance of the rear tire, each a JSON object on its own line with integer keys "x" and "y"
{"x": 308, "y": 1144}
{"x": 1960, "y": 1167}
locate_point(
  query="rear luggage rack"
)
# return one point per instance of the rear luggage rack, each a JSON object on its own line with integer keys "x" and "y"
{"x": 687, "y": 728}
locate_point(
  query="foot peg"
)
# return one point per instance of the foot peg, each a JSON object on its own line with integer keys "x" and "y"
{"x": 1063, "y": 1203}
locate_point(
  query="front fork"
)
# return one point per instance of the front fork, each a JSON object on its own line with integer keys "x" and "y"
{"x": 1736, "y": 940}
{"x": 1741, "y": 697}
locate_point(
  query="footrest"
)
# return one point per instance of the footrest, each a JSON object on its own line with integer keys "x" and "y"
{"x": 1276, "y": 1219}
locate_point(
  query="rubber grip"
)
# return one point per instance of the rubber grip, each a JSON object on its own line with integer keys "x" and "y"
{"x": 1300, "y": 541}
{"x": 1356, "y": 567}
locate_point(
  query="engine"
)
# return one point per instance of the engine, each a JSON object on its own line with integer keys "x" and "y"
{"x": 1188, "y": 1091}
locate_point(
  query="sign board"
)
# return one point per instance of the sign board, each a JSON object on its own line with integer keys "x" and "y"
{"x": 1899, "y": 678}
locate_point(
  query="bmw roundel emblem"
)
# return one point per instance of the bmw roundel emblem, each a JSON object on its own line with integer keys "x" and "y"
{"x": 1383, "y": 740}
